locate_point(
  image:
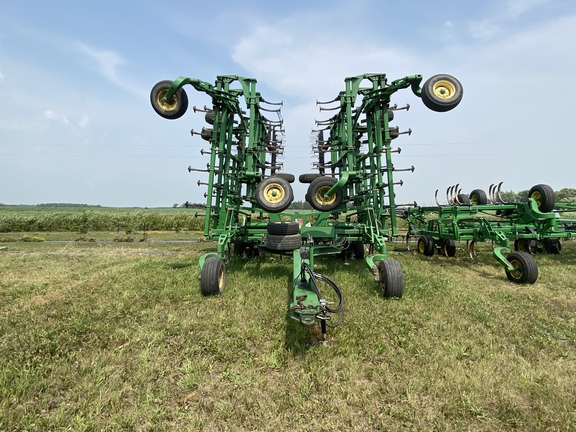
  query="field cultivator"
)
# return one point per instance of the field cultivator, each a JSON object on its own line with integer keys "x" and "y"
{"x": 536, "y": 225}
{"x": 352, "y": 193}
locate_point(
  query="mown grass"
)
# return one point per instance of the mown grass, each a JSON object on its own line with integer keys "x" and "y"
{"x": 115, "y": 336}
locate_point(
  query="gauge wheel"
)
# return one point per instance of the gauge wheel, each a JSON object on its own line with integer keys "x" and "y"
{"x": 212, "y": 276}
{"x": 274, "y": 194}
{"x": 442, "y": 93}
{"x": 391, "y": 279}
{"x": 478, "y": 197}
{"x": 525, "y": 268}
{"x": 544, "y": 197}
{"x": 316, "y": 191}
{"x": 172, "y": 108}
{"x": 426, "y": 245}
{"x": 308, "y": 178}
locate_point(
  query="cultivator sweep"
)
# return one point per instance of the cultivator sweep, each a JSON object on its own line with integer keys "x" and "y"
{"x": 352, "y": 193}
{"x": 532, "y": 226}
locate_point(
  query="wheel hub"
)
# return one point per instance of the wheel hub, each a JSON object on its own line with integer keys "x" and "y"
{"x": 274, "y": 193}
{"x": 444, "y": 89}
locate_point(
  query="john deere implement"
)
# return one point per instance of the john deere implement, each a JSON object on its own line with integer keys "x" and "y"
{"x": 352, "y": 192}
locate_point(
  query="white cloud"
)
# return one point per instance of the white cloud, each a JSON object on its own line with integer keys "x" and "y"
{"x": 484, "y": 29}
{"x": 53, "y": 115}
{"x": 107, "y": 61}
{"x": 84, "y": 121}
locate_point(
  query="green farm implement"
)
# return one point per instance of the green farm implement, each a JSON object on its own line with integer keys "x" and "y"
{"x": 352, "y": 194}
{"x": 535, "y": 225}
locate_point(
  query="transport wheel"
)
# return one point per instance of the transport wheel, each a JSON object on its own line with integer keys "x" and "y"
{"x": 391, "y": 278}
{"x": 170, "y": 109}
{"x": 316, "y": 192}
{"x": 212, "y": 276}
{"x": 544, "y": 197}
{"x": 274, "y": 194}
{"x": 283, "y": 228}
{"x": 283, "y": 242}
{"x": 552, "y": 246}
{"x": 525, "y": 268}
{"x": 358, "y": 249}
{"x": 390, "y": 115}
{"x": 478, "y": 197}
{"x": 442, "y": 93}
{"x": 426, "y": 245}
{"x": 525, "y": 245}
{"x": 308, "y": 178}
{"x": 449, "y": 248}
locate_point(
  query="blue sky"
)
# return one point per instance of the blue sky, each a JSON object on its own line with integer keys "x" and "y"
{"x": 76, "y": 123}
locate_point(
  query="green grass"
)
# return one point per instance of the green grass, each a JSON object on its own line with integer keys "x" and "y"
{"x": 116, "y": 336}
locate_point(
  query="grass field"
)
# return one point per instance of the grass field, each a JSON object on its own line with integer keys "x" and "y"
{"x": 116, "y": 336}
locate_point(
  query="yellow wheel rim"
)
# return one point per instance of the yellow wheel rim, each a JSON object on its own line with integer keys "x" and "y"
{"x": 421, "y": 246}
{"x": 320, "y": 196}
{"x": 444, "y": 89}
{"x": 517, "y": 272}
{"x": 474, "y": 200}
{"x": 537, "y": 197}
{"x": 167, "y": 104}
{"x": 221, "y": 278}
{"x": 274, "y": 193}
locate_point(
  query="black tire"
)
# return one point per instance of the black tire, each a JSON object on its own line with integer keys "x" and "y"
{"x": 308, "y": 178}
{"x": 283, "y": 242}
{"x": 390, "y": 115}
{"x": 316, "y": 192}
{"x": 206, "y": 134}
{"x": 478, "y": 197}
{"x": 358, "y": 249}
{"x": 426, "y": 245}
{"x": 544, "y": 196}
{"x": 391, "y": 282}
{"x": 463, "y": 199}
{"x": 288, "y": 177}
{"x": 169, "y": 109}
{"x": 442, "y": 93}
{"x": 213, "y": 276}
{"x": 526, "y": 269}
{"x": 283, "y": 228}
{"x": 274, "y": 194}
{"x": 449, "y": 248}
{"x": 552, "y": 246}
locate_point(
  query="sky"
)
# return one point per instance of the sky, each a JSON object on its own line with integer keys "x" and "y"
{"x": 76, "y": 124}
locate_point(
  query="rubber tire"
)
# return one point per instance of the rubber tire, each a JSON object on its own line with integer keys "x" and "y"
{"x": 274, "y": 182}
{"x": 390, "y": 114}
{"x": 434, "y": 86}
{"x": 391, "y": 281}
{"x": 358, "y": 249}
{"x": 177, "y": 106}
{"x": 288, "y": 177}
{"x": 308, "y": 178}
{"x": 240, "y": 247}
{"x": 526, "y": 268}
{"x": 317, "y": 188}
{"x": 544, "y": 196}
{"x": 426, "y": 245}
{"x": 283, "y": 242}
{"x": 552, "y": 246}
{"x": 283, "y": 228}
{"x": 212, "y": 276}
{"x": 463, "y": 199}
{"x": 449, "y": 248}
{"x": 478, "y": 197}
